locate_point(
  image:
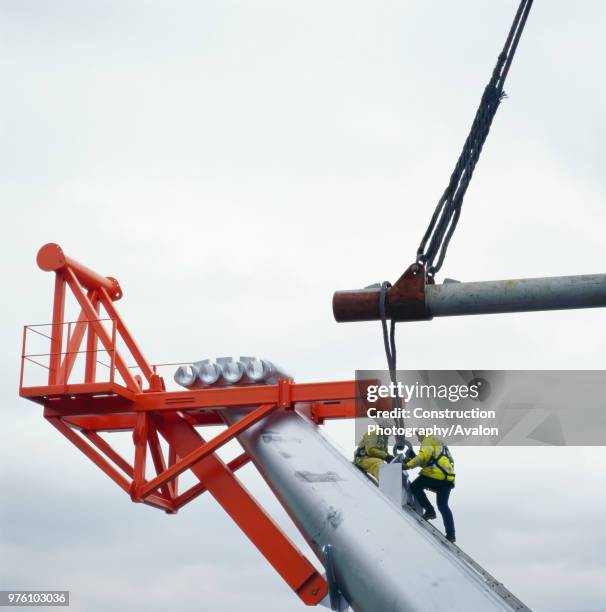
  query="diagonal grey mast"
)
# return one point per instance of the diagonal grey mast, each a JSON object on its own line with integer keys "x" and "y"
{"x": 359, "y": 534}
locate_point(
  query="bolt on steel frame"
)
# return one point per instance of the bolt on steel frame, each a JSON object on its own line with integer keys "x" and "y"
{"x": 84, "y": 409}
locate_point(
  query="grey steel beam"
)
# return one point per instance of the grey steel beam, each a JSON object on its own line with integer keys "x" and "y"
{"x": 410, "y": 299}
{"x": 380, "y": 557}
{"x": 518, "y": 295}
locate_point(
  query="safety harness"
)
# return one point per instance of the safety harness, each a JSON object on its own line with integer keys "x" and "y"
{"x": 361, "y": 450}
{"x": 434, "y": 461}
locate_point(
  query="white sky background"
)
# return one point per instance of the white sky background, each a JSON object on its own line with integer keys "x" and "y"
{"x": 232, "y": 164}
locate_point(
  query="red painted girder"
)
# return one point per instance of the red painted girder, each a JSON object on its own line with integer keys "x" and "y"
{"x": 91, "y": 453}
{"x": 193, "y": 492}
{"x": 204, "y": 450}
{"x": 275, "y": 546}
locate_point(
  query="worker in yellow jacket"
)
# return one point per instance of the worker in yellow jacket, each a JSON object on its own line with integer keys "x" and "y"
{"x": 437, "y": 475}
{"x": 372, "y": 451}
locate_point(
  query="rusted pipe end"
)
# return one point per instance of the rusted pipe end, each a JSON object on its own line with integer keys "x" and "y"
{"x": 356, "y": 305}
{"x": 405, "y": 301}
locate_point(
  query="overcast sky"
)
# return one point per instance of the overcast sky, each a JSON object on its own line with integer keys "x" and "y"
{"x": 232, "y": 164}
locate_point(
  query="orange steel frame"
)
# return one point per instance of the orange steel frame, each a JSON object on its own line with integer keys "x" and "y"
{"x": 82, "y": 410}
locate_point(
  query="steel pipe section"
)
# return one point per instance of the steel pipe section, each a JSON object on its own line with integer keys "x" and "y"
{"x": 261, "y": 371}
{"x": 248, "y": 370}
{"x": 208, "y": 373}
{"x": 520, "y": 295}
{"x": 186, "y": 375}
{"x": 488, "y": 297}
{"x": 381, "y": 558}
{"x": 232, "y": 371}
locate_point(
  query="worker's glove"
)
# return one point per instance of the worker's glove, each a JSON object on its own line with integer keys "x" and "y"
{"x": 389, "y": 458}
{"x": 405, "y": 467}
{"x": 410, "y": 454}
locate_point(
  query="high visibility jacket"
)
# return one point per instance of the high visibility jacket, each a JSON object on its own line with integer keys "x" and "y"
{"x": 435, "y": 459}
{"x": 372, "y": 445}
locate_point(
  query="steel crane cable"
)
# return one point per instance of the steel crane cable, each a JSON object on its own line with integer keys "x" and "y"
{"x": 389, "y": 341}
{"x": 446, "y": 215}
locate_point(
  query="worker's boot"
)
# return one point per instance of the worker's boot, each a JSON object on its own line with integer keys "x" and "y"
{"x": 429, "y": 515}
{"x": 451, "y": 538}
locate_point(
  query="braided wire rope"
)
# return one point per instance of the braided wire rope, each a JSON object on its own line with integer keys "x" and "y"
{"x": 446, "y": 215}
